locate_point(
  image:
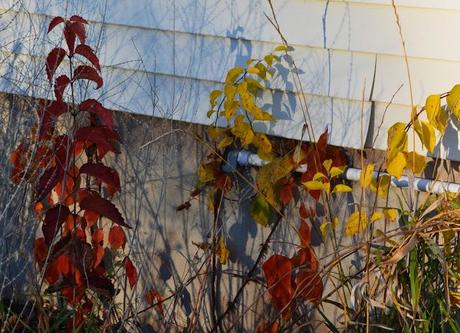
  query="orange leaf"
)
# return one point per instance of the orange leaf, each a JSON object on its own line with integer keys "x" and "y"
{"x": 267, "y": 328}
{"x": 117, "y": 238}
{"x": 131, "y": 271}
{"x": 153, "y": 295}
{"x": 281, "y": 285}
{"x": 304, "y": 234}
{"x": 309, "y": 285}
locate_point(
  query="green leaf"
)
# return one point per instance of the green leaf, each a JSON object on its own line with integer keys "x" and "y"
{"x": 261, "y": 210}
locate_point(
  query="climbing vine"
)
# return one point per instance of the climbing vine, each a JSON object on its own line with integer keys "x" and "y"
{"x": 82, "y": 239}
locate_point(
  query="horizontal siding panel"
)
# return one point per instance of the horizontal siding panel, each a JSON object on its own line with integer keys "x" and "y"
{"x": 348, "y": 26}
{"x": 430, "y": 4}
{"x": 329, "y": 73}
{"x": 142, "y": 37}
{"x": 150, "y": 94}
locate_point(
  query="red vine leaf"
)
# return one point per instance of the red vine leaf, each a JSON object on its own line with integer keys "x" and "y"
{"x": 131, "y": 271}
{"x": 76, "y": 18}
{"x": 286, "y": 193}
{"x": 93, "y": 106}
{"x": 117, "y": 237}
{"x": 59, "y": 86}
{"x": 281, "y": 285}
{"x": 309, "y": 285}
{"x": 151, "y": 296}
{"x": 102, "y": 136}
{"x": 103, "y": 207}
{"x": 322, "y": 141}
{"x": 48, "y": 114}
{"x": 54, "y": 22}
{"x": 53, "y": 61}
{"x": 53, "y": 220}
{"x": 72, "y": 30}
{"x": 304, "y": 234}
{"x": 101, "y": 285}
{"x": 47, "y": 181}
{"x": 84, "y": 72}
{"x": 267, "y": 328}
{"x": 103, "y": 173}
{"x": 40, "y": 251}
{"x": 87, "y": 52}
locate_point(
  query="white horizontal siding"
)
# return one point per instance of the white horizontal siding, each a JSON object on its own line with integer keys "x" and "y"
{"x": 191, "y": 44}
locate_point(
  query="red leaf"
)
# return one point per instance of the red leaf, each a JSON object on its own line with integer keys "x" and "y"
{"x": 48, "y": 113}
{"x": 103, "y": 173}
{"x": 54, "y": 22}
{"x": 103, "y": 207}
{"x": 59, "y": 86}
{"x": 117, "y": 237}
{"x": 85, "y": 72}
{"x": 309, "y": 285}
{"x": 63, "y": 264}
{"x": 47, "y": 181}
{"x": 266, "y": 328}
{"x": 105, "y": 115}
{"x": 151, "y": 296}
{"x": 40, "y": 251}
{"x": 78, "y": 28}
{"x": 69, "y": 36}
{"x": 305, "y": 258}
{"x": 53, "y": 220}
{"x": 304, "y": 234}
{"x": 102, "y": 136}
{"x": 98, "y": 236}
{"x": 53, "y": 61}
{"x": 98, "y": 255}
{"x": 281, "y": 285}
{"x": 101, "y": 285}
{"x": 322, "y": 141}
{"x": 76, "y": 18}
{"x": 131, "y": 271}
{"x": 88, "y": 53}
{"x": 305, "y": 213}
{"x": 286, "y": 194}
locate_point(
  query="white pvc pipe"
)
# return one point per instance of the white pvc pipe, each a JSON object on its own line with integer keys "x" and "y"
{"x": 246, "y": 158}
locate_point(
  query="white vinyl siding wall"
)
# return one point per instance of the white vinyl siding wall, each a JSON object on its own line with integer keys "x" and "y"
{"x": 163, "y": 57}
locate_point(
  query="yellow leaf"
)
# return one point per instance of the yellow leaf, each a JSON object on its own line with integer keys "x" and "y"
{"x": 248, "y": 103}
{"x": 382, "y": 185}
{"x": 453, "y": 100}
{"x": 366, "y": 176}
{"x": 227, "y": 141}
{"x": 233, "y": 73}
{"x": 210, "y": 113}
{"x": 336, "y": 171}
{"x": 230, "y": 108}
{"x": 313, "y": 185}
{"x": 356, "y": 223}
{"x": 208, "y": 172}
{"x": 319, "y": 175}
{"x": 340, "y": 188}
{"x": 269, "y": 59}
{"x": 222, "y": 252}
{"x": 324, "y": 228}
{"x": 416, "y": 162}
{"x": 327, "y": 165}
{"x": 376, "y": 216}
{"x": 396, "y": 166}
{"x": 397, "y": 139}
{"x": 260, "y": 210}
{"x": 280, "y": 48}
{"x": 264, "y": 146}
{"x": 253, "y": 70}
{"x": 215, "y": 132}
{"x": 213, "y": 97}
{"x": 390, "y": 213}
{"x": 441, "y": 121}
{"x": 433, "y": 107}
{"x": 243, "y": 131}
{"x": 426, "y": 134}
